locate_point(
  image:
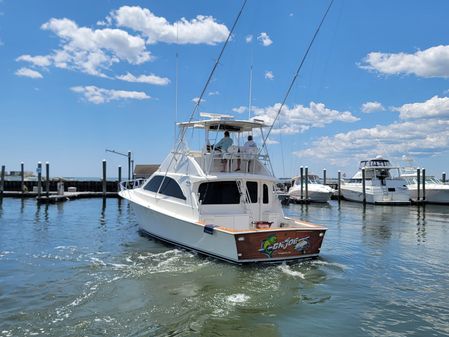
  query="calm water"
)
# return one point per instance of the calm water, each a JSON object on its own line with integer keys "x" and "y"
{"x": 81, "y": 269}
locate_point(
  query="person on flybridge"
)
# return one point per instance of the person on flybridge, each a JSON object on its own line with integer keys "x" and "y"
{"x": 223, "y": 144}
{"x": 246, "y": 149}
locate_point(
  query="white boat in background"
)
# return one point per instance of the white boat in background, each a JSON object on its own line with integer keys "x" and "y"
{"x": 231, "y": 215}
{"x": 383, "y": 184}
{"x": 316, "y": 191}
{"x": 436, "y": 192}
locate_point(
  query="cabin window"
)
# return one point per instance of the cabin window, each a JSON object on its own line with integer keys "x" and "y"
{"x": 219, "y": 193}
{"x": 169, "y": 188}
{"x": 265, "y": 194}
{"x": 251, "y": 187}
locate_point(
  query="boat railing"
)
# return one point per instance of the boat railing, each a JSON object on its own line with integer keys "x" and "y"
{"x": 131, "y": 184}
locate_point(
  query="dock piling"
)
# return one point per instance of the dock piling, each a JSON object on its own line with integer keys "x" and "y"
{"x": 22, "y": 177}
{"x": 418, "y": 178}
{"x": 324, "y": 176}
{"x": 129, "y": 165}
{"x": 424, "y": 184}
{"x": 104, "y": 178}
{"x": 306, "y": 178}
{"x": 2, "y": 181}
{"x": 301, "y": 176}
{"x": 39, "y": 179}
{"x": 119, "y": 177}
{"x": 339, "y": 185}
{"x": 443, "y": 177}
{"x": 364, "y": 185}
{"x": 47, "y": 178}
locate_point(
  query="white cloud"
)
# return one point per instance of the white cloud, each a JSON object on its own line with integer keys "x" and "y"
{"x": 264, "y": 39}
{"x": 249, "y": 38}
{"x": 299, "y": 118}
{"x": 241, "y": 109}
{"x": 149, "y": 79}
{"x": 433, "y": 107}
{"x": 431, "y": 62}
{"x": 214, "y": 93}
{"x": 196, "y": 99}
{"x": 202, "y": 29}
{"x": 269, "y": 75}
{"x": 99, "y": 95}
{"x": 39, "y": 61}
{"x": 392, "y": 141}
{"x": 369, "y": 107}
{"x": 27, "y": 72}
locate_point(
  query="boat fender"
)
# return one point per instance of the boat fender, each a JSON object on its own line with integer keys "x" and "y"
{"x": 209, "y": 229}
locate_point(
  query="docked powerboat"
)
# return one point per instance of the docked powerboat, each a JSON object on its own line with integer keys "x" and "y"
{"x": 434, "y": 192}
{"x": 316, "y": 192}
{"x": 383, "y": 184}
{"x": 232, "y": 215}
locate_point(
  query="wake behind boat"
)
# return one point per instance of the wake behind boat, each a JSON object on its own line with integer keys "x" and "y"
{"x": 231, "y": 215}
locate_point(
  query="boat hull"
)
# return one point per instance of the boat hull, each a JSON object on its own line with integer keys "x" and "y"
{"x": 252, "y": 246}
{"x": 376, "y": 195}
{"x": 434, "y": 194}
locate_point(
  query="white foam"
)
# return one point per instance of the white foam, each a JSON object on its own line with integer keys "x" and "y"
{"x": 331, "y": 264}
{"x": 287, "y": 270}
{"x": 238, "y": 298}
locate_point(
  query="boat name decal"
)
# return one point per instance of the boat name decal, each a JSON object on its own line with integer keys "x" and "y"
{"x": 271, "y": 244}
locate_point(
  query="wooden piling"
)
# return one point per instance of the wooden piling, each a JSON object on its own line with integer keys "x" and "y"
{"x": 339, "y": 185}
{"x": 2, "y": 181}
{"x": 306, "y": 174}
{"x": 443, "y": 177}
{"x": 119, "y": 177}
{"x": 129, "y": 165}
{"x": 104, "y": 178}
{"x": 324, "y": 176}
{"x": 39, "y": 179}
{"x": 47, "y": 178}
{"x": 424, "y": 184}
{"x": 364, "y": 185}
{"x": 22, "y": 177}
{"x": 301, "y": 176}
{"x": 418, "y": 179}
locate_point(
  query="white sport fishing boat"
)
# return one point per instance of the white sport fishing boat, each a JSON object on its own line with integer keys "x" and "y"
{"x": 231, "y": 215}
{"x": 316, "y": 191}
{"x": 383, "y": 184}
{"x": 436, "y": 192}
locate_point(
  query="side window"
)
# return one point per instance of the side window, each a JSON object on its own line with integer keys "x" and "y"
{"x": 169, "y": 187}
{"x": 251, "y": 187}
{"x": 265, "y": 194}
{"x": 219, "y": 193}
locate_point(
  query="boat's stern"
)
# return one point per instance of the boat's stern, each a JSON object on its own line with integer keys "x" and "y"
{"x": 277, "y": 245}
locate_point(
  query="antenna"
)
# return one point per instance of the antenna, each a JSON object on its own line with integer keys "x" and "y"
{"x": 250, "y": 89}
{"x": 176, "y": 82}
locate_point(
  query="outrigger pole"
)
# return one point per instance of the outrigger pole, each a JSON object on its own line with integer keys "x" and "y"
{"x": 296, "y": 76}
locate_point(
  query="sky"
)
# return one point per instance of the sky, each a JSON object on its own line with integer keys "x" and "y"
{"x": 79, "y": 77}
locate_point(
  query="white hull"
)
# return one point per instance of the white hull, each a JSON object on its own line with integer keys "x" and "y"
{"x": 314, "y": 196}
{"x": 435, "y": 193}
{"x": 375, "y": 194}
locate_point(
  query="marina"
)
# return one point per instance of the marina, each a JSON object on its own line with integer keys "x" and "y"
{"x": 81, "y": 268}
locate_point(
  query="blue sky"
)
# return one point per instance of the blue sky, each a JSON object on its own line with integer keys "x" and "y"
{"x": 80, "y": 76}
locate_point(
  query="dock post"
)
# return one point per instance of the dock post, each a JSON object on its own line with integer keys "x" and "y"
{"x": 339, "y": 185}
{"x": 364, "y": 185}
{"x": 47, "y": 178}
{"x": 129, "y": 165}
{"x": 39, "y": 179}
{"x": 22, "y": 177}
{"x": 306, "y": 176}
{"x": 301, "y": 176}
{"x": 2, "y": 181}
{"x": 443, "y": 177}
{"x": 119, "y": 177}
{"x": 424, "y": 185}
{"x": 104, "y": 178}
{"x": 418, "y": 179}
{"x": 324, "y": 176}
